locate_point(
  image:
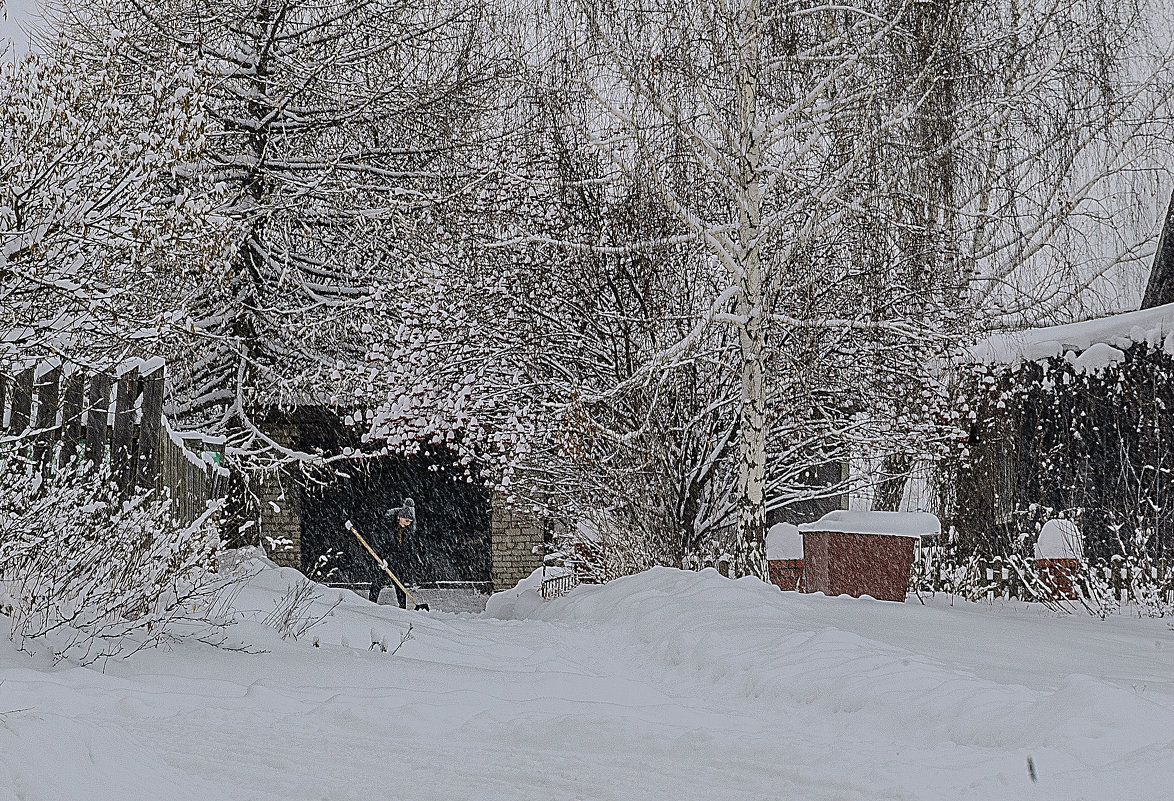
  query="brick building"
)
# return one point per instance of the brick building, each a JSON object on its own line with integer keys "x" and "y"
{"x": 463, "y": 533}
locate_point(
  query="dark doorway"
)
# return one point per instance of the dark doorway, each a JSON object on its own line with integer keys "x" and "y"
{"x": 450, "y": 541}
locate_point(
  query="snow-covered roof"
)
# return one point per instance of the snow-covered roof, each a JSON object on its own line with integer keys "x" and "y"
{"x": 783, "y": 541}
{"x": 1059, "y": 539}
{"x": 895, "y": 524}
{"x": 1099, "y": 341}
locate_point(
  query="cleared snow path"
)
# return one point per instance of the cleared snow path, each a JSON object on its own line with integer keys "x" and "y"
{"x": 666, "y": 685}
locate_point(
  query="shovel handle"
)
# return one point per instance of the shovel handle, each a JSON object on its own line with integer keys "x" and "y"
{"x": 382, "y": 563}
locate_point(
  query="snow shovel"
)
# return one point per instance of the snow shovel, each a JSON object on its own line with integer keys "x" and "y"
{"x": 386, "y": 569}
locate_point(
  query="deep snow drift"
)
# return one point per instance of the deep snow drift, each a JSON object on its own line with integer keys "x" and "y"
{"x": 668, "y": 685}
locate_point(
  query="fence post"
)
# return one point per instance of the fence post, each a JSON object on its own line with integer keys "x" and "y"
{"x": 1115, "y": 576}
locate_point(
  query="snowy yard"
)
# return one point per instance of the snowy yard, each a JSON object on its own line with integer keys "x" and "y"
{"x": 665, "y": 685}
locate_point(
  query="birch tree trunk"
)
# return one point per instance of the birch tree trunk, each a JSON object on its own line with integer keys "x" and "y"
{"x": 750, "y": 494}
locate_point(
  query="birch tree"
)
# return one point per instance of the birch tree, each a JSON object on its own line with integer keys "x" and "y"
{"x": 768, "y": 112}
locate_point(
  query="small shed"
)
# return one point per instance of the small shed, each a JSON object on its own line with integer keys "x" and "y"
{"x": 784, "y": 556}
{"x": 863, "y": 553}
{"x": 1058, "y": 553}
{"x": 464, "y": 533}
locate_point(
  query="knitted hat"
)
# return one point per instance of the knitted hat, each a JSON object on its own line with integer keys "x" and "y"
{"x": 407, "y": 511}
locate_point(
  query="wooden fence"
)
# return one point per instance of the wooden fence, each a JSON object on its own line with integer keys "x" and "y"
{"x": 62, "y": 413}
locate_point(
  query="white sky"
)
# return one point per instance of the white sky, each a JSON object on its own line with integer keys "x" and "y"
{"x": 16, "y": 17}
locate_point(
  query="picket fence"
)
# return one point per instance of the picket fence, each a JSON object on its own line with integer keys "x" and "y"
{"x": 1019, "y": 579}
{"x": 559, "y": 584}
{"x": 59, "y": 413}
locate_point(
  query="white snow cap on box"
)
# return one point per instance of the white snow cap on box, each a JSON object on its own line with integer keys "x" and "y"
{"x": 1059, "y": 539}
{"x": 893, "y": 524}
{"x": 784, "y": 542}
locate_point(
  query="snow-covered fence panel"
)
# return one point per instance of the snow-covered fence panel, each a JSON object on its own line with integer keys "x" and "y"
{"x": 193, "y": 478}
{"x": 58, "y": 413}
{"x": 1145, "y": 583}
{"x": 558, "y": 584}
{"x": 47, "y": 412}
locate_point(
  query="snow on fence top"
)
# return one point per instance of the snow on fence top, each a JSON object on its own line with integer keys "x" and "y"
{"x": 1059, "y": 539}
{"x": 784, "y": 542}
{"x": 893, "y": 524}
{"x": 1099, "y": 342}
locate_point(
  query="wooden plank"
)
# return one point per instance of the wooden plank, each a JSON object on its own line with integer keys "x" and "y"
{"x": 22, "y": 403}
{"x": 96, "y": 423}
{"x": 48, "y": 393}
{"x": 71, "y": 416}
{"x": 150, "y": 429}
{"x": 4, "y": 382}
{"x": 122, "y": 437}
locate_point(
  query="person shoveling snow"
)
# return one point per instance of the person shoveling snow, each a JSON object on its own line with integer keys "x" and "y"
{"x": 380, "y": 582}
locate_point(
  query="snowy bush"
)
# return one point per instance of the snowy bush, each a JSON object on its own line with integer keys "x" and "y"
{"x": 94, "y": 574}
{"x": 293, "y": 614}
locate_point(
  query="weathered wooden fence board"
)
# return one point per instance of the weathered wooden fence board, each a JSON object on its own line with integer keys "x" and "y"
{"x": 71, "y": 416}
{"x": 21, "y": 412}
{"x": 96, "y": 419}
{"x": 48, "y": 397}
{"x": 122, "y": 437}
{"x": 150, "y": 428}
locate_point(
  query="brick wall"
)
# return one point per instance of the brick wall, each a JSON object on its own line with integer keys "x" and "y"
{"x": 275, "y": 499}
{"x": 279, "y": 512}
{"x": 516, "y": 540}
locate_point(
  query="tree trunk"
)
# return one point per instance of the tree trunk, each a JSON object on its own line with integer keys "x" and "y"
{"x": 891, "y": 488}
{"x": 750, "y": 556}
{"x": 750, "y": 550}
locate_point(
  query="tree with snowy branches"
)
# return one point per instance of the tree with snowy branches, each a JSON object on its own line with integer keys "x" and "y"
{"x": 337, "y": 140}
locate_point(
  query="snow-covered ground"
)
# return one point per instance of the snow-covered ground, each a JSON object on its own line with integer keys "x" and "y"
{"x": 666, "y": 685}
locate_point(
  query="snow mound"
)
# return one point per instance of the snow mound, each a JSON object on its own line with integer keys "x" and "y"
{"x": 1151, "y": 327}
{"x": 667, "y": 684}
{"x": 783, "y": 541}
{"x": 1059, "y": 539}
{"x": 1098, "y": 358}
{"x": 521, "y": 600}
